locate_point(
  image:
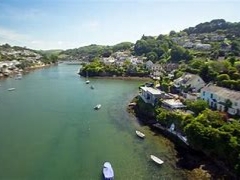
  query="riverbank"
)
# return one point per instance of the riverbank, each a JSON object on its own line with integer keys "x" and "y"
{"x": 14, "y": 72}
{"x": 196, "y": 164}
{"x": 122, "y": 78}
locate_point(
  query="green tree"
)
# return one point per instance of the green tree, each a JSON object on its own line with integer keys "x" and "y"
{"x": 196, "y": 106}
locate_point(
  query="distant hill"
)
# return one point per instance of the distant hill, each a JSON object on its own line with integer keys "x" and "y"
{"x": 230, "y": 29}
{"x": 93, "y": 50}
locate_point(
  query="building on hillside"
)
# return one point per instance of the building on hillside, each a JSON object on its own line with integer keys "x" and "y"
{"x": 169, "y": 67}
{"x": 191, "y": 81}
{"x": 173, "y": 104}
{"x": 203, "y": 47}
{"x": 221, "y": 98}
{"x": 151, "y": 95}
{"x": 149, "y": 64}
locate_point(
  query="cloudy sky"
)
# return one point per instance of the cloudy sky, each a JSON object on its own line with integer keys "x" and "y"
{"x": 64, "y": 24}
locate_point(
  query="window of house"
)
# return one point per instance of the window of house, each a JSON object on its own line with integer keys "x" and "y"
{"x": 203, "y": 93}
{"x": 235, "y": 104}
{"x": 211, "y": 96}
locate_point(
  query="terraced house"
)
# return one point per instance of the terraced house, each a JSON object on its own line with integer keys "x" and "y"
{"x": 222, "y": 99}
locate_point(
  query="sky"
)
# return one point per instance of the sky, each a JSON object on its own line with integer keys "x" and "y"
{"x": 67, "y": 24}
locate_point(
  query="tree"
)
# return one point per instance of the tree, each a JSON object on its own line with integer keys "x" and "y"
{"x": 152, "y": 56}
{"x": 207, "y": 74}
{"x": 172, "y": 33}
{"x": 196, "y": 106}
{"x": 141, "y": 47}
{"x": 222, "y": 77}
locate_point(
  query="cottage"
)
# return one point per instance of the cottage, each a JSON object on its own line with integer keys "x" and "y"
{"x": 191, "y": 81}
{"x": 172, "y": 104}
{"x": 149, "y": 64}
{"x": 222, "y": 99}
{"x": 203, "y": 47}
{"x": 150, "y": 95}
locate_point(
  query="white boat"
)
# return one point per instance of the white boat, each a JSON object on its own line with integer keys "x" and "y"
{"x": 156, "y": 159}
{"x": 97, "y": 107}
{"x": 11, "y": 89}
{"x": 140, "y": 134}
{"x": 87, "y": 81}
{"x": 108, "y": 172}
{"x": 18, "y": 76}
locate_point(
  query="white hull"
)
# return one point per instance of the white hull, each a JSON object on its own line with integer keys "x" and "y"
{"x": 97, "y": 107}
{"x": 108, "y": 172}
{"x": 140, "y": 134}
{"x": 156, "y": 159}
{"x": 11, "y": 89}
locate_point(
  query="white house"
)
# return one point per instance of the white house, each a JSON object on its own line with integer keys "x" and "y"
{"x": 150, "y": 95}
{"x": 217, "y": 97}
{"x": 204, "y": 47}
{"x": 193, "y": 81}
{"x": 149, "y": 64}
{"x": 172, "y": 104}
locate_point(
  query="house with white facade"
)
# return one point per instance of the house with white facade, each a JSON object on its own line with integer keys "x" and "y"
{"x": 219, "y": 98}
{"x": 149, "y": 64}
{"x": 172, "y": 104}
{"x": 203, "y": 47}
{"x": 108, "y": 60}
{"x": 188, "y": 80}
{"x": 151, "y": 95}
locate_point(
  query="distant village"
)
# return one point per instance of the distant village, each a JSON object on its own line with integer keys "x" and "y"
{"x": 19, "y": 59}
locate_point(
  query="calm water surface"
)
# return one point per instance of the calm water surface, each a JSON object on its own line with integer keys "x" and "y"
{"x": 49, "y": 130}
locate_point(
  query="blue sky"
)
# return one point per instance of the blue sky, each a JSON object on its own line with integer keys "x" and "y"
{"x": 64, "y": 24}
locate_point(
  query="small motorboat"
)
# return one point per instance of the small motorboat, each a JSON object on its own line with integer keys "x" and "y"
{"x": 87, "y": 81}
{"x": 140, "y": 134}
{"x": 156, "y": 159}
{"x": 11, "y": 89}
{"x": 97, "y": 107}
{"x": 92, "y": 87}
{"x": 108, "y": 172}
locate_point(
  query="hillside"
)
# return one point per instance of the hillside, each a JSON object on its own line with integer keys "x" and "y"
{"x": 213, "y": 39}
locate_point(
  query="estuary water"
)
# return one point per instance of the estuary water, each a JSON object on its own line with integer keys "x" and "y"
{"x": 49, "y": 130}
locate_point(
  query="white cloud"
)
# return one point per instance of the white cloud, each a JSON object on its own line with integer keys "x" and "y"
{"x": 10, "y": 35}
{"x": 45, "y": 45}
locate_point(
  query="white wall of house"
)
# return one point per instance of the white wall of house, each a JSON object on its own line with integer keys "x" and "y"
{"x": 150, "y": 95}
{"x": 217, "y": 100}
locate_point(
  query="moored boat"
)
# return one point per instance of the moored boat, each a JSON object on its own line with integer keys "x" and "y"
{"x": 108, "y": 172}
{"x": 97, "y": 107}
{"x": 11, "y": 89}
{"x": 156, "y": 159}
{"x": 140, "y": 134}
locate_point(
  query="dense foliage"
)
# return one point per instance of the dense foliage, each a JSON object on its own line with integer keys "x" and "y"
{"x": 98, "y": 68}
{"x": 207, "y": 131}
{"x": 89, "y": 53}
{"x": 215, "y": 25}
{"x": 161, "y": 49}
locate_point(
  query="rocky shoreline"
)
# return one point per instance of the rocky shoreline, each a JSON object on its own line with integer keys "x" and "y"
{"x": 196, "y": 164}
{"x": 24, "y": 71}
{"x": 121, "y": 77}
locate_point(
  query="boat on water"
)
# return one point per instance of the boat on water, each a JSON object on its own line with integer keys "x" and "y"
{"x": 87, "y": 81}
{"x": 108, "y": 172}
{"x": 18, "y": 76}
{"x": 97, "y": 107}
{"x": 92, "y": 87}
{"x": 140, "y": 134}
{"x": 11, "y": 89}
{"x": 156, "y": 159}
